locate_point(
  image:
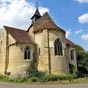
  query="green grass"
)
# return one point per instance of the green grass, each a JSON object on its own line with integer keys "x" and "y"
{"x": 74, "y": 81}
{"x": 46, "y": 79}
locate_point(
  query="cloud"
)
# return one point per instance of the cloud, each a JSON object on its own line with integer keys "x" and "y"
{"x": 78, "y": 31}
{"x": 17, "y": 13}
{"x": 68, "y": 33}
{"x": 84, "y": 37}
{"x": 83, "y": 18}
{"x": 6, "y": 0}
{"x": 82, "y": 1}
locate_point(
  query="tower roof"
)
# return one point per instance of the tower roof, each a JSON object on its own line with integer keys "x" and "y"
{"x": 36, "y": 13}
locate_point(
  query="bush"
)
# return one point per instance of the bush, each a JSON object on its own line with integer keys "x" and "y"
{"x": 36, "y": 73}
{"x": 34, "y": 79}
{"x": 73, "y": 69}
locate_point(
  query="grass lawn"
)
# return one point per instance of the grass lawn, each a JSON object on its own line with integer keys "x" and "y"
{"x": 74, "y": 81}
{"x": 35, "y": 80}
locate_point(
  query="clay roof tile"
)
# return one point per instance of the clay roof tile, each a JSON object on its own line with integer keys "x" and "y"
{"x": 19, "y": 35}
{"x": 69, "y": 42}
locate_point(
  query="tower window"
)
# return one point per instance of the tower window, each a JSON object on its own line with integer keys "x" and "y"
{"x": 27, "y": 53}
{"x": 72, "y": 54}
{"x": 39, "y": 51}
{"x": 58, "y": 47}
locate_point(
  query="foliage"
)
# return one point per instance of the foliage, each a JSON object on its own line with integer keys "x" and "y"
{"x": 41, "y": 76}
{"x": 73, "y": 69}
{"x": 44, "y": 78}
{"x": 4, "y": 78}
{"x": 12, "y": 79}
{"x": 18, "y": 79}
{"x": 36, "y": 73}
{"x": 47, "y": 78}
{"x": 82, "y": 61}
{"x": 34, "y": 79}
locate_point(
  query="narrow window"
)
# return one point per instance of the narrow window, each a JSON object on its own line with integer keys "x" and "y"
{"x": 58, "y": 47}
{"x": 27, "y": 53}
{"x": 72, "y": 54}
{"x": 39, "y": 51}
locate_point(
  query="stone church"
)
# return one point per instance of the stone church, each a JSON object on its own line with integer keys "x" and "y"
{"x": 44, "y": 46}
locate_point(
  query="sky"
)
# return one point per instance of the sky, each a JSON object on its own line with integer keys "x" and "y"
{"x": 70, "y": 15}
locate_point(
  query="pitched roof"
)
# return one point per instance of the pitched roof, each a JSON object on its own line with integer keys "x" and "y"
{"x": 68, "y": 42}
{"x": 19, "y": 35}
{"x": 45, "y": 22}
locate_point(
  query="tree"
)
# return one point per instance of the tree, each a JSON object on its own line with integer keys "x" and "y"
{"x": 82, "y": 59}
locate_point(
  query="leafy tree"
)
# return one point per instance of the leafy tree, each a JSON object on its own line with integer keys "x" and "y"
{"x": 82, "y": 59}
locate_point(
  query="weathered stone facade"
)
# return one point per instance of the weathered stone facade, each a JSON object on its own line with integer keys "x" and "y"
{"x": 40, "y": 38}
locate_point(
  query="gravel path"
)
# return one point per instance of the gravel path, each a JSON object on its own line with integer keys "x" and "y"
{"x": 15, "y": 85}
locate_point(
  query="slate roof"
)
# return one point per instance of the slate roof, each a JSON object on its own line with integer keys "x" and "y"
{"x": 36, "y": 13}
{"x": 68, "y": 42}
{"x": 45, "y": 22}
{"x": 19, "y": 35}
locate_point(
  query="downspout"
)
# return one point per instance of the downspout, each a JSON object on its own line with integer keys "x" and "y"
{"x": 7, "y": 55}
{"x": 49, "y": 58}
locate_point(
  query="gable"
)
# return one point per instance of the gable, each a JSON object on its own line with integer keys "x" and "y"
{"x": 11, "y": 40}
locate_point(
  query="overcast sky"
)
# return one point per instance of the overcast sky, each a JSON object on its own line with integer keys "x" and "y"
{"x": 70, "y": 15}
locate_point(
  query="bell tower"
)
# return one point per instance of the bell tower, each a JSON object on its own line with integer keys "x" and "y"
{"x": 36, "y": 15}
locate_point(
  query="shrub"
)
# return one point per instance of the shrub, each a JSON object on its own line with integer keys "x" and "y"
{"x": 34, "y": 79}
{"x": 36, "y": 73}
{"x": 73, "y": 69}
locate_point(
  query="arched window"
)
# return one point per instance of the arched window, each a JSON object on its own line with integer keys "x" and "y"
{"x": 58, "y": 47}
{"x": 27, "y": 53}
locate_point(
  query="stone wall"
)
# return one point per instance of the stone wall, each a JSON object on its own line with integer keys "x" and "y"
{"x": 58, "y": 64}
{"x": 30, "y": 32}
{"x": 4, "y": 51}
{"x": 73, "y": 62}
{"x": 12, "y": 56}
{"x": 18, "y": 66}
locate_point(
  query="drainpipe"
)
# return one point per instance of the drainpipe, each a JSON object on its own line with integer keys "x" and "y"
{"x": 7, "y": 55}
{"x": 49, "y": 58}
